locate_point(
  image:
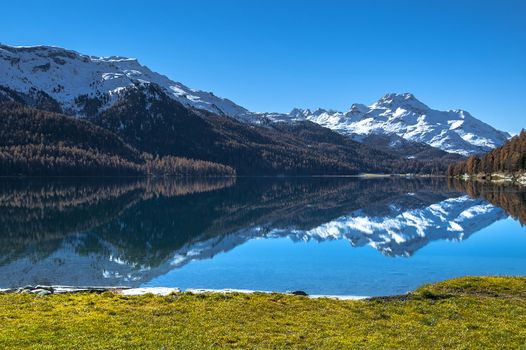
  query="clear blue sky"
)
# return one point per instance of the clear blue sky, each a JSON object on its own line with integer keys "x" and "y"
{"x": 276, "y": 55}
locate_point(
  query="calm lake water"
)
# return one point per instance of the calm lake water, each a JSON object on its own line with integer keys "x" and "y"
{"x": 338, "y": 236}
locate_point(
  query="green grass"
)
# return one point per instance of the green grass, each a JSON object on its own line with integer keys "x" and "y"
{"x": 465, "y": 313}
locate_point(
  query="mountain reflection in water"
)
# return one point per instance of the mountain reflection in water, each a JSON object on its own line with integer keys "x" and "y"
{"x": 128, "y": 232}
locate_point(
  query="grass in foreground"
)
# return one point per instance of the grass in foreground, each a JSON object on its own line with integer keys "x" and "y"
{"x": 465, "y": 313}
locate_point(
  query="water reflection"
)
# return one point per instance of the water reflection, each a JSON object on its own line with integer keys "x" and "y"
{"x": 129, "y": 232}
{"x": 504, "y": 195}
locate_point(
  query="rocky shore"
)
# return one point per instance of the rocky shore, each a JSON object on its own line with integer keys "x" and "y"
{"x": 43, "y": 290}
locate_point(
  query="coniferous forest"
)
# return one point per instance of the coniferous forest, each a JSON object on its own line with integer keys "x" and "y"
{"x": 39, "y": 143}
{"x": 509, "y": 159}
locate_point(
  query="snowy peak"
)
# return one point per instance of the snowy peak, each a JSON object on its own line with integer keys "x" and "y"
{"x": 74, "y": 79}
{"x": 357, "y": 109}
{"x": 403, "y": 115}
{"x": 300, "y": 113}
{"x": 394, "y": 101}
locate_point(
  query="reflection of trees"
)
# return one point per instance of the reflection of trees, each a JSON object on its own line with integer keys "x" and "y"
{"x": 39, "y": 194}
{"x": 308, "y": 203}
{"x": 44, "y": 212}
{"x": 146, "y": 220}
{"x": 507, "y": 196}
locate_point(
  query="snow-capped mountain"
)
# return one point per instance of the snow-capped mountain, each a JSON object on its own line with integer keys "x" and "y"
{"x": 70, "y": 78}
{"x": 454, "y": 131}
{"x": 86, "y": 85}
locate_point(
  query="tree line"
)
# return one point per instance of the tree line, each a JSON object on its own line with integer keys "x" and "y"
{"x": 509, "y": 158}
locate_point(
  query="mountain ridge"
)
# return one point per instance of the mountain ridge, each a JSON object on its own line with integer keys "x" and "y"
{"x": 86, "y": 86}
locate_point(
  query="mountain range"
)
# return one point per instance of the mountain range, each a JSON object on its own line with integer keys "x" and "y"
{"x": 154, "y": 114}
{"x": 402, "y": 115}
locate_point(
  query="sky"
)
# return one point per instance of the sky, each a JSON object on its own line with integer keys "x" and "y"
{"x": 276, "y": 55}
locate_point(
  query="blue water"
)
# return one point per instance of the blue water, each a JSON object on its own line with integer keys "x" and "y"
{"x": 336, "y": 268}
{"x": 347, "y": 236}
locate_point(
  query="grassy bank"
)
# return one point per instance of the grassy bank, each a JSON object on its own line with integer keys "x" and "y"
{"x": 464, "y": 313}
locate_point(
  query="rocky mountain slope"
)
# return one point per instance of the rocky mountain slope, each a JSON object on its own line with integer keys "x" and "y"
{"x": 151, "y": 121}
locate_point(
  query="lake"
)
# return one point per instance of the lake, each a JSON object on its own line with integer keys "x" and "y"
{"x": 333, "y": 236}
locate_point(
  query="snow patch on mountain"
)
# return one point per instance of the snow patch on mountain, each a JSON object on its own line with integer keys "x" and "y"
{"x": 67, "y": 75}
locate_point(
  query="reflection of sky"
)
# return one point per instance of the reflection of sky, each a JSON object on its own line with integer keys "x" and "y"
{"x": 333, "y": 267}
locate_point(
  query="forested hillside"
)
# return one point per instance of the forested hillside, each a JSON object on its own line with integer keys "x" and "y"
{"x": 36, "y": 142}
{"x": 149, "y": 120}
{"x": 510, "y": 158}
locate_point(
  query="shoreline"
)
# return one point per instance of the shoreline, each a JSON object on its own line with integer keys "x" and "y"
{"x": 44, "y": 290}
{"x": 356, "y": 176}
{"x": 518, "y": 179}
